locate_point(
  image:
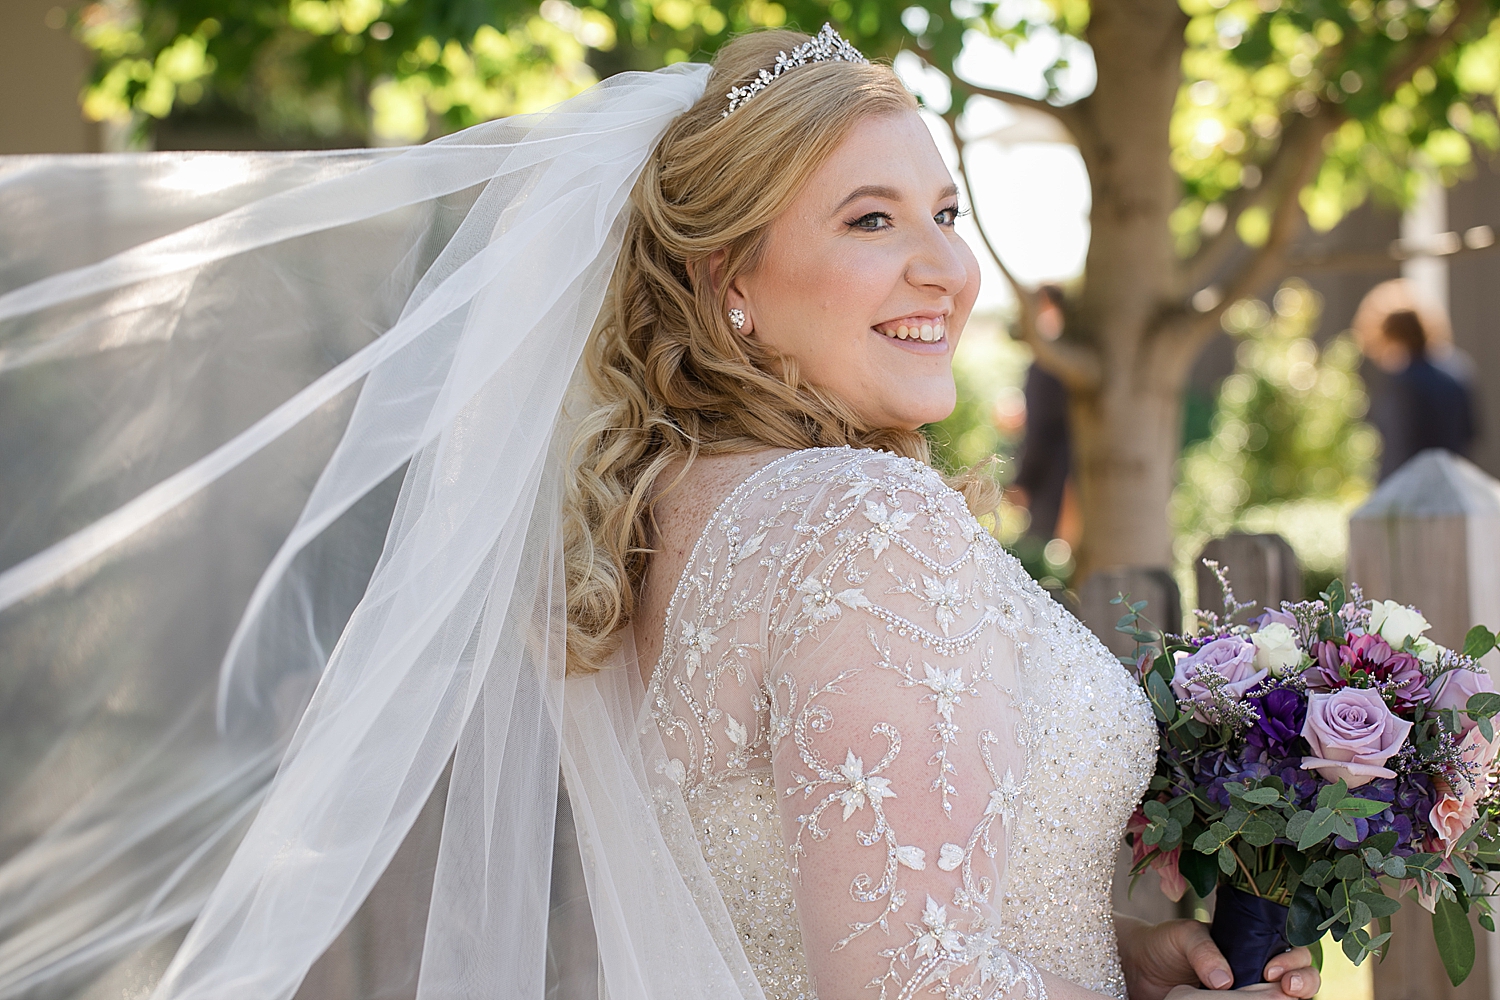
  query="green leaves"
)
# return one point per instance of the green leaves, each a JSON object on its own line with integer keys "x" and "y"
{"x": 1163, "y": 702}
{"x": 1455, "y": 939}
{"x": 1479, "y": 641}
{"x": 1304, "y": 920}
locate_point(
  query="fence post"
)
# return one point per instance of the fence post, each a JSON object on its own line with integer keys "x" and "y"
{"x": 1262, "y": 568}
{"x": 1430, "y": 537}
{"x": 1154, "y": 586}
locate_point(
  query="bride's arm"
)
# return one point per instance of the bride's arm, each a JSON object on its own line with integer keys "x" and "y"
{"x": 899, "y": 836}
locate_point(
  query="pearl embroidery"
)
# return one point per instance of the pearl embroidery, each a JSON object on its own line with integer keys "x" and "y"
{"x": 827, "y": 540}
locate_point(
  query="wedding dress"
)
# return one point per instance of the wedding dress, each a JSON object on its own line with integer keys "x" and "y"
{"x": 282, "y": 446}
{"x": 858, "y": 680}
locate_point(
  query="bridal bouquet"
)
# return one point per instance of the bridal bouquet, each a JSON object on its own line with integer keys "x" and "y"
{"x": 1316, "y": 765}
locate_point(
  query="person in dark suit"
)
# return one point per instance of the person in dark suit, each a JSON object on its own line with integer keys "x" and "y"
{"x": 1422, "y": 405}
{"x": 1046, "y": 450}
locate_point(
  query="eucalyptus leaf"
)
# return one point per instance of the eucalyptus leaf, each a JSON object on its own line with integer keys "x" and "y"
{"x": 1261, "y": 796}
{"x": 1200, "y": 870}
{"x": 1304, "y": 915}
{"x": 1379, "y": 904}
{"x": 1227, "y": 863}
{"x": 1483, "y": 705}
{"x": 1258, "y": 832}
{"x": 1317, "y": 873}
{"x": 1479, "y": 641}
{"x": 1358, "y": 808}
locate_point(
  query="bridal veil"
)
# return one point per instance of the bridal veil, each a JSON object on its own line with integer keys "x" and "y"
{"x": 281, "y": 451}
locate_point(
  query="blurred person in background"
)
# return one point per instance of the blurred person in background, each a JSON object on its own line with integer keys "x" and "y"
{"x": 1422, "y": 395}
{"x": 1046, "y": 452}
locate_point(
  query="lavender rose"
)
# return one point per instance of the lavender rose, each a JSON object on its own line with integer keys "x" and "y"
{"x": 1232, "y": 658}
{"x": 1458, "y": 686}
{"x": 1352, "y": 734}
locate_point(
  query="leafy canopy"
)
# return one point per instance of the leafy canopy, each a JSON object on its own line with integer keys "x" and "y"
{"x": 1409, "y": 82}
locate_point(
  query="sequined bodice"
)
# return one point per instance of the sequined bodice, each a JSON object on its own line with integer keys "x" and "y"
{"x": 860, "y": 688}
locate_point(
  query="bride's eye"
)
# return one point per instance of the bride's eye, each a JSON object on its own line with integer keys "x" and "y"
{"x": 949, "y": 215}
{"x": 872, "y": 223}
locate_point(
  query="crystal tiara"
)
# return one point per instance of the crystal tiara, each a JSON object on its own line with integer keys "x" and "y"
{"x": 827, "y": 46}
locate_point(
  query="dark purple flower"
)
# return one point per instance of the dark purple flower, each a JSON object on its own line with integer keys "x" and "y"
{"x": 1411, "y": 797}
{"x": 1282, "y": 711}
{"x": 1398, "y": 675}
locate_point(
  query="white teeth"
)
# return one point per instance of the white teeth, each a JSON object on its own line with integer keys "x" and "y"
{"x": 928, "y": 333}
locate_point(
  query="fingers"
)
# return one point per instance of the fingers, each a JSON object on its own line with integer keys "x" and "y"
{"x": 1293, "y": 971}
{"x": 1207, "y": 961}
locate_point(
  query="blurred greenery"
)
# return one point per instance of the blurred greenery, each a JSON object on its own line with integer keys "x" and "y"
{"x": 989, "y": 369}
{"x": 1404, "y": 86}
{"x": 404, "y": 70}
{"x": 1289, "y": 452}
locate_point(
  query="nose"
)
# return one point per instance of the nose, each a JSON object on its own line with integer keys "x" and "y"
{"x": 939, "y": 262}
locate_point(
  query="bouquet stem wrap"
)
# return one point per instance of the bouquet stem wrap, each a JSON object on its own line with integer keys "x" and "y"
{"x": 1249, "y": 930}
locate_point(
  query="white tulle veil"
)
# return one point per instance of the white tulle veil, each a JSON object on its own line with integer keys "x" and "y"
{"x": 282, "y": 702}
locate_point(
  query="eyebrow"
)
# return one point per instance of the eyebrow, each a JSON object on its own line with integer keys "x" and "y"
{"x": 888, "y": 193}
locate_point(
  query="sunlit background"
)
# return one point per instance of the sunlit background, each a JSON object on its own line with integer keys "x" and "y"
{"x": 1274, "y": 435}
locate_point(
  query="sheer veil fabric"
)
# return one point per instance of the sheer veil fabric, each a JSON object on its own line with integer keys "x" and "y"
{"x": 281, "y": 456}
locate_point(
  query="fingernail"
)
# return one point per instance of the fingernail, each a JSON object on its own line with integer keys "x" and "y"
{"x": 1274, "y": 971}
{"x": 1295, "y": 982}
{"x": 1219, "y": 979}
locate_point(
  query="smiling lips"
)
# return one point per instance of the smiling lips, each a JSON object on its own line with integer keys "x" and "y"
{"x": 927, "y": 329}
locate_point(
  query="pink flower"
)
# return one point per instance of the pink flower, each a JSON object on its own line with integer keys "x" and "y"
{"x": 1231, "y": 657}
{"x": 1458, "y": 686}
{"x": 1457, "y": 808}
{"x": 1352, "y": 734}
{"x": 1173, "y": 885}
{"x": 1372, "y": 656}
{"x": 1450, "y": 817}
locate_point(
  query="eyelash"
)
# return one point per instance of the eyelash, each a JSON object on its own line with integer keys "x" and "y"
{"x": 954, "y": 210}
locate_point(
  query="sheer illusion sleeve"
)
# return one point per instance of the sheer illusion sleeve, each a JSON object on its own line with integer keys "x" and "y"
{"x": 873, "y": 714}
{"x": 891, "y": 671}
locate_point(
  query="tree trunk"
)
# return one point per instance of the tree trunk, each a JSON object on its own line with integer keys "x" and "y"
{"x": 1127, "y": 427}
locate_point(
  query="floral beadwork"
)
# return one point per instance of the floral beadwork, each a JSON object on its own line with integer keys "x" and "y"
{"x": 840, "y": 613}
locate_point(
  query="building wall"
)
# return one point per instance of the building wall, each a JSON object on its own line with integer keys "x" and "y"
{"x": 42, "y": 70}
{"x": 1474, "y": 301}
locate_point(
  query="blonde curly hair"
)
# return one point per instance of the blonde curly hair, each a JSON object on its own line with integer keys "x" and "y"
{"x": 668, "y": 378}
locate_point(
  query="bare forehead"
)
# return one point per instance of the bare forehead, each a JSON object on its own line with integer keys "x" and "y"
{"x": 887, "y": 156}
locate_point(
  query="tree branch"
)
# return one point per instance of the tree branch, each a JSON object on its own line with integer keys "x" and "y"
{"x": 1269, "y": 260}
{"x": 1076, "y": 366}
{"x": 1432, "y": 46}
{"x": 1199, "y": 268}
{"x": 1067, "y": 114}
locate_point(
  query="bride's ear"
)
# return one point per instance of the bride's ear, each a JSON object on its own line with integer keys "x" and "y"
{"x": 735, "y": 302}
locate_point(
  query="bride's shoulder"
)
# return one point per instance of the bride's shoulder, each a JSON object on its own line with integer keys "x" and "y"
{"x": 813, "y": 474}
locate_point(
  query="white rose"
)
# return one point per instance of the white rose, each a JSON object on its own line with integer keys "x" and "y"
{"x": 1276, "y": 649}
{"x": 1427, "y": 651}
{"x": 1395, "y": 622}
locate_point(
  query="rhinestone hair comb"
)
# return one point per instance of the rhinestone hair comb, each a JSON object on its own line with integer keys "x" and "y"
{"x": 827, "y": 46}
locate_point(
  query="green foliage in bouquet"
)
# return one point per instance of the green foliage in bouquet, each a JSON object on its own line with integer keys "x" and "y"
{"x": 1249, "y": 793}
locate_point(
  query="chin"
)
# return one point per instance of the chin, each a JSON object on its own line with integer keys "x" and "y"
{"x": 926, "y": 412}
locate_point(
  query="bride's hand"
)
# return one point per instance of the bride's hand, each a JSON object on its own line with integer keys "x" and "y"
{"x": 1158, "y": 958}
{"x": 1260, "y": 991}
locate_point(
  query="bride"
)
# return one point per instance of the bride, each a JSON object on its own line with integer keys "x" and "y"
{"x": 651, "y": 370}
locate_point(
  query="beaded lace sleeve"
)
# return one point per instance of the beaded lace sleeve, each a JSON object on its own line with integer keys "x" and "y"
{"x": 890, "y": 672}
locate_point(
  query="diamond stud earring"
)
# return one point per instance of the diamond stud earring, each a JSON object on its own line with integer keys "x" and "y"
{"x": 737, "y": 318}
